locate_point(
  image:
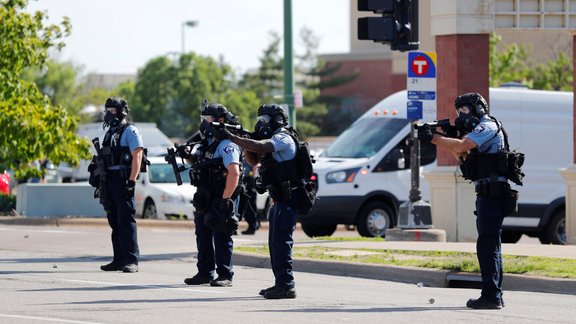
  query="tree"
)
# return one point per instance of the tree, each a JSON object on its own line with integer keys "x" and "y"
{"x": 57, "y": 81}
{"x": 316, "y": 75}
{"x": 511, "y": 65}
{"x": 31, "y": 128}
{"x": 553, "y": 75}
{"x": 170, "y": 92}
{"x": 507, "y": 65}
{"x": 267, "y": 81}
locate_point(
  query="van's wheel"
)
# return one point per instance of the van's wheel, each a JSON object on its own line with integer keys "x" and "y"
{"x": 150, "y": 210}
{"x": 375, "y": 218}
{"x": 319, "y": 230}
{"x": 510, "y": 237}
{"x": 555, "y": 231}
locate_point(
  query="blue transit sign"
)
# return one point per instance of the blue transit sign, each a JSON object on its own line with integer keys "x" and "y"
{"x": 414, "y": 110}
{"x": 421, "y": 65}
{"x": 421, "y": 85}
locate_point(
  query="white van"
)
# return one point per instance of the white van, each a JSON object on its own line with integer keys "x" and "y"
{"x": 364, "y": 175}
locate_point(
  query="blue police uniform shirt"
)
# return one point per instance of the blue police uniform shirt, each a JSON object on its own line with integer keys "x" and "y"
{"x": 284, "y": 146}
{"x": 487, "y": 137}
{"x": 130, "y": 137}
{"x": 228, "y": 151}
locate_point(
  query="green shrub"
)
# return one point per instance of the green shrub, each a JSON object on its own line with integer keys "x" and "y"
{"x": 7, "y": 203}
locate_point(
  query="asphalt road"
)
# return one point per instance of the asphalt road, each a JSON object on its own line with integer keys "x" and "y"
{"x": 51, "y": 274}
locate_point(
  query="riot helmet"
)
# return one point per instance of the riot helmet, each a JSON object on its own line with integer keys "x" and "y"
{"x": 270, "y": 118}
{"x": 471, "y": 107}
{"x": 122, "y": 110}
{"x": 212, "y": 113}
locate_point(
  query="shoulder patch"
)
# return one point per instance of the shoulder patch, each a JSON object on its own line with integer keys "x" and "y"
{"x": 480, "y": 129}
{"x": 229, "y": 149}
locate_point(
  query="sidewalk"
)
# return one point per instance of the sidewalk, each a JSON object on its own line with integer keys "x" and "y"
{"x": 425, "y": 276}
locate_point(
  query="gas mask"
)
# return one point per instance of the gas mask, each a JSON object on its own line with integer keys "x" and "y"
{"x": 466, "y": 123}
{"x": 206, "y": 129}
{"x": 263, "y": 127}
{"x": 111, "y": 120}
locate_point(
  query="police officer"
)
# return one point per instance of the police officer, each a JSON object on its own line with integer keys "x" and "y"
{"x": 123, "y": 150}
{"x": 216, "y": 173}
{"x": 483, "y": 139}
{"x": 275, "y": 150}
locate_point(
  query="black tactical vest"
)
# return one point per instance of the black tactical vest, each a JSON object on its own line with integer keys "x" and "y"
{"x": 280, "y": 178}
{"x": 491, "y": 165}
{"x": 209, "y": 173}
{"x": 113, "y": 152}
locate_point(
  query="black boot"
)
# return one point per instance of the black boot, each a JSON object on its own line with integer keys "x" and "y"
{"x": 221, "y": 282}
{"x": 111, "y": 267}
{"x": 263, "y": 291}
{"x": 280, "y": 293}
{"x": 198, "y": 279}
{"x": 483, "y": 303}
{"x": 249, "y": 231}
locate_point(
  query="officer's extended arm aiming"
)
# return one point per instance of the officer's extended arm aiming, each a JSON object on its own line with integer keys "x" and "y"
{"x": 252, "y": 158}
{"x": 261, "y": 146}
{"x": 456, "y": 145}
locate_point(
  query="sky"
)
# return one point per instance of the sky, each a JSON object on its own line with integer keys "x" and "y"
{"x": 120, "y": 36}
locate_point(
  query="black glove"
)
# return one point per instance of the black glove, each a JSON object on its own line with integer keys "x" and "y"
{"x": 129, "y": 189}
{"x": 222, "y": 134}
{"x": 183, "y": 151}
{"x": 425, "y": 134}
{"x": 226, "y": 206}
{"x": 258, "y": 186}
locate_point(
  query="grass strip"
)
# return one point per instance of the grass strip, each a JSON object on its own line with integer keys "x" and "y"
{"x": 446, "y": 260}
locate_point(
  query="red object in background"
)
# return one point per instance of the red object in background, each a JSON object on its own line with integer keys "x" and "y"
{"x": 5, "y": 183}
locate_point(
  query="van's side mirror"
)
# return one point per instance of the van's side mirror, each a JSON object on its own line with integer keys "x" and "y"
{"x": 401, "y": 163}
{"x": 393, "y": 161}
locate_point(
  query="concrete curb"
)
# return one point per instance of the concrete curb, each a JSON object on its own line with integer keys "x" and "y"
{"x": 428, "y": 277}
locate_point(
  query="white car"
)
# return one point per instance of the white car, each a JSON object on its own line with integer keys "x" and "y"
{"x": 158, "y": 196}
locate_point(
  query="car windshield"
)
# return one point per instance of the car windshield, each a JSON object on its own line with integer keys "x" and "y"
{"x": 163, "y": 173}
{"x": 365, "y": 137}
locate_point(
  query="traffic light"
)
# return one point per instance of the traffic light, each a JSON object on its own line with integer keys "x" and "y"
{"x": 398, "y": 25}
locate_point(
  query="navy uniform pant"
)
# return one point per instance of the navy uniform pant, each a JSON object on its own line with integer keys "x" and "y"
{"x": 282, "y": 222}
{"x": 121, "y": 220}
{"x": 250, "y": 213}
{"x": 490, "y": 215}
{"x": 214, "y": 250}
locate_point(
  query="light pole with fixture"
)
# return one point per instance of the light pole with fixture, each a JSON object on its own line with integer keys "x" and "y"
{"x": 190, "y": 23}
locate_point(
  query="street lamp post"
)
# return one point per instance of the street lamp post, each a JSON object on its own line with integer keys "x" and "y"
{"x": 190, "y": 23}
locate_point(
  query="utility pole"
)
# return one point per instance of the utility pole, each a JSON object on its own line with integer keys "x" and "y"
{"x": 288, "y": 65}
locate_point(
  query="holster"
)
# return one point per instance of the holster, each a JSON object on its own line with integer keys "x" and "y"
{"x": 200, "y": 200}
{"x": 492, "y": 189}
{"x": 501, "y": 190}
